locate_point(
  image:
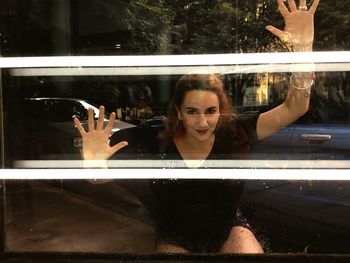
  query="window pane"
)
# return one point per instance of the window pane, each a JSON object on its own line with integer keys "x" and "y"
{"x": 289, "y": 191}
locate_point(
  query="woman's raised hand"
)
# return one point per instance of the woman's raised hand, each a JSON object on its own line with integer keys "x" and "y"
{"x": 299, "y": 24}
{"x": 96, "y": 140}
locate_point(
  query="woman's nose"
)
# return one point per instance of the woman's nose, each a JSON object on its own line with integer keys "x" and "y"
{"x": 202, "y": 120}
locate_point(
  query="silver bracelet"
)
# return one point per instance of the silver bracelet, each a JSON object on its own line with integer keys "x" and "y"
{"x": 302, "y": 77}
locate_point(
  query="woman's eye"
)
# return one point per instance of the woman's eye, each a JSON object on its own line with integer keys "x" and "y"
{"x": 211, "y": 111}
{"x": 191, "y": 112}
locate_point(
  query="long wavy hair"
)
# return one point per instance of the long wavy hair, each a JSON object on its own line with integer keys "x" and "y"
{"x": 204, "y": 82}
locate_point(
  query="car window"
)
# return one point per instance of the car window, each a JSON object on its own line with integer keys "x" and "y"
{"x": 330, "y": 101}
{"x": 61, "y": 111}
{"x": 30, "y": 110}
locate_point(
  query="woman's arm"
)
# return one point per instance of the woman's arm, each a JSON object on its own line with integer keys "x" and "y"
{"x": 298, "y": 35}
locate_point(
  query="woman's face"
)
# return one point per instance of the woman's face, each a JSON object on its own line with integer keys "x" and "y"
{"x": 199, "y": 114}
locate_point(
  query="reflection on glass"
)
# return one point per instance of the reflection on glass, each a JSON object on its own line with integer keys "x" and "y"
{"x": 72, "y": 216}
{"x": 149, "y": 216}
{"x": 76, "y": 216}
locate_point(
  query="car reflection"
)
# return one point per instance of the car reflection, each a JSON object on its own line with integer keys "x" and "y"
{"x": 43, "y": 128}
{"x": 306, "y": 142}
{"x": 300, "y": 216}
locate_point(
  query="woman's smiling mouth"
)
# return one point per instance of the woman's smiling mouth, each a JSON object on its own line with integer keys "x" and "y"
{"x": 202, "y": 131}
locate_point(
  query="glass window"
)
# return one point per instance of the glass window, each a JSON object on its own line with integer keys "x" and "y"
{"x": 288, "y": 192}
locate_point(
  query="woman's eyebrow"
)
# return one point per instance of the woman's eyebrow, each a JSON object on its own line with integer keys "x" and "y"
{"x": 212, "y": 107}
{"x": 194, "y": 108}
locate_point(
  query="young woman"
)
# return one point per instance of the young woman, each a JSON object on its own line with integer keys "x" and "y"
{"x": 202, "y": 215}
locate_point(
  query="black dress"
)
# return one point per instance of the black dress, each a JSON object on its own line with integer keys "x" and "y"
{"x": 198, "y": 214}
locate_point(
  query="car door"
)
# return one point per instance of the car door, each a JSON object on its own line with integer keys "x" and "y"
{"x": 320, "y": 134}
{"x": 276, "y": 146}
{"x": 321, "y": 142}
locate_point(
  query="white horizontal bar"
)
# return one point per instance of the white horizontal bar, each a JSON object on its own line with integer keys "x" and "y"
{"x": 243, "y": 174}
{"x": 231, "y": 164}
{"x": 109, "y": 71}
{"x": 176, "y": 60}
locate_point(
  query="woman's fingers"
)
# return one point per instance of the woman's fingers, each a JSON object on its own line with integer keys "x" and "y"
{"x": 100, "y": 120}
{"x": 91, "y": 123}
{"x": 292, "y": 5}
{"x": 302, "y": 3}
{"x": 110, "y": 123}
{"x": 277, "y": 32}
{"x": 314, "y": 6}
{"x": 282, "y": 7}
{"x": 118, "y": 146}
{"x": 79, "y": 127}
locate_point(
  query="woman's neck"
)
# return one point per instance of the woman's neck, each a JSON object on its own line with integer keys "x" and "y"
{"x": 192, "y": 149}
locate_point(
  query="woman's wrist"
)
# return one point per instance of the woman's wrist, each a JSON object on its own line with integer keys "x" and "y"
{"x": 302, "y": 47}
{"x": 95, "y": 164}
{"x": 303, "y": 81}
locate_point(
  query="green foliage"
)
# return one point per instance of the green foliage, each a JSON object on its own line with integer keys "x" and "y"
{"x": 333, "y": 25}
{"x": 165, "y": 26}
{"x": 149, "y": 23}
{"x": 222, "y": 26}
